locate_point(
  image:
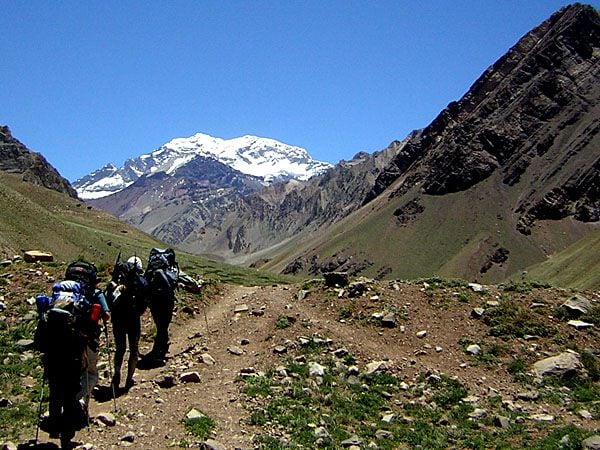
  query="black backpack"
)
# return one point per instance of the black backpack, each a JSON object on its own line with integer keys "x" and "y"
{"x": 162, "y": 271}
{"x": 126, "y": 274}
{"x": 86, "y": 274}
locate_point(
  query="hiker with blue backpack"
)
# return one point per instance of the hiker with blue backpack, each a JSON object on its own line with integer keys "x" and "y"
{"x": 68, "y": 335}
{"x": 127, "y": 295}
{"x": 162, "y": 272}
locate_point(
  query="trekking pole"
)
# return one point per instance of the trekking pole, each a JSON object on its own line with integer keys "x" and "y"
{"x": 37, "y": 430}
{"x": 110, "y": 370}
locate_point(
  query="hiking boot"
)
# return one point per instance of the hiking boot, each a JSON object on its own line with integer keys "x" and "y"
{"x": 51, "y": 426}
{"x": 66, "y": 440}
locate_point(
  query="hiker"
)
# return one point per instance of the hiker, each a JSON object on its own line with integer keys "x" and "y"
{"x": 92, "y": 329}
{"x": 62, "y": 335}
{"x": 127, "y": 296}
{"x": 161, "y": 273}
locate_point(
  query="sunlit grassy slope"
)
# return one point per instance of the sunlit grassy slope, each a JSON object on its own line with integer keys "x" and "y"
{"x": 36, "y": 218}
{"x": 577, "y": 266}
{"x": 453, "y": 236}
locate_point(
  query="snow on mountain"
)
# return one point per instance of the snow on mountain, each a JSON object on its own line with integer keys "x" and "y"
{"x": 266, "y": 158}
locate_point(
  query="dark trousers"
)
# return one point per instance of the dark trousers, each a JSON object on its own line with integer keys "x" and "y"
{"x": 162, "y": 313}
{"x": 65, "y": 412}
{"x": 126, "y": 329}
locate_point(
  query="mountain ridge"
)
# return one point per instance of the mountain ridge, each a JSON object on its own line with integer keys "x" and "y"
{"x": 15, "y": 157}
{"x": 264, "y": 157}
{"x": 499, "y": 181}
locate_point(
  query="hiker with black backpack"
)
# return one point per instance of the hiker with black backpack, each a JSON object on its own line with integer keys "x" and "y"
{"x": 127, "y": 297}
{"x": 162, "y": 272}
{"x": 87, "y": 275}
{"x": 66, "y": 328}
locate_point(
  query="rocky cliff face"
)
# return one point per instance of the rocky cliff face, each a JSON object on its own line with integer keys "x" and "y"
{"x": 16, "y": 158}
{"x": 279, "y": 212}
{"x": 532, "y": 116}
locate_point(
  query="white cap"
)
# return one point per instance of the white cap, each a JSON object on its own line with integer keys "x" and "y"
{"x": 136, "y": 261}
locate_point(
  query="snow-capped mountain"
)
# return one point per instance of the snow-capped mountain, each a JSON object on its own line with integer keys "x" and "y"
{"x": 266, "y": 158}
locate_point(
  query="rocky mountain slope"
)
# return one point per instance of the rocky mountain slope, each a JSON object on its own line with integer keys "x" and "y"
{"x": 499, "y": 180}
{"x": 15, "y": 157}
{"x": 183, "y": 203}
{"x": 534, "y": 112}
{"x": 260, "y": 157}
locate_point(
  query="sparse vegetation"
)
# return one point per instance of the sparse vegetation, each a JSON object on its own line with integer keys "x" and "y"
{"x": 200, "y": 427}
{"x": 20, "y": 416}
{"x": 511, "y": 318}
{"x": 323, "y": 412}
{"x": 283, "y": 322}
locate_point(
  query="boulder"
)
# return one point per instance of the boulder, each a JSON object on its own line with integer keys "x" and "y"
{"x": 389, "y": 320}
{"x": 591, "y": 443}
{"x": 211, "y": 444}
{"x": 336, "y": 279}
{"x": 473, "y": 349}
{"x": 561, "y": 365}
{"x": 577, "y": 305}
{"x": 194, "y": 414}
{"x": 38, "y": 256}
{"x": 190, "y": 377}
{"x": 315, "y": 369}
{"x": 107, "y": 419}
{"x": 377, "y": 366}
{"x": 579, "y": 324}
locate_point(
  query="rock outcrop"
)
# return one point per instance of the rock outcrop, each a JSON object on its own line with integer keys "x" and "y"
{"x": 15, "y": 157}
{"x": 532, "y": 117}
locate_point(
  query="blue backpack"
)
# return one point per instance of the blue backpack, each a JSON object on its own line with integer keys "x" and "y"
{"x": 65, "y": 314}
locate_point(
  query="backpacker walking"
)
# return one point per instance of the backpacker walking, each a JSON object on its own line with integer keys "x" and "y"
{"x": 162, "y": 272}
{"x": 66, "y": 319}
{"x": 127, "y": 297}
{"x": 86, "y": 275}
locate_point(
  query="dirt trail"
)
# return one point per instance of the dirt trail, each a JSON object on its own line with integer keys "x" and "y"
{"x": 155, "y": 414}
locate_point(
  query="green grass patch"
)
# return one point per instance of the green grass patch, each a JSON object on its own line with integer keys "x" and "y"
{"x": 200, "y": 426}
{"x": 556, "y": 439}
{"x": 20, "y": 417}
{"x": 513, "y": 319}
{"x": 283, "y": 322}
{"x": 257, "y": 387}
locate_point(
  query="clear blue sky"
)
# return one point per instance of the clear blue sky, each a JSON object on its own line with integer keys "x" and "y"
{"x": 91, "y": 82}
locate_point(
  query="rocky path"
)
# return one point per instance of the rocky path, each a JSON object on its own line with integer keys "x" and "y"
{"x": 150, "y": 416}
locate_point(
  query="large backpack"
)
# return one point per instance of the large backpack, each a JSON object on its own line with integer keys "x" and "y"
{"x": 162, "y": 271}
{"x": 85, "y": 274}
{"x": 126, "y": 273}
{"x": 63, "y": 317}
